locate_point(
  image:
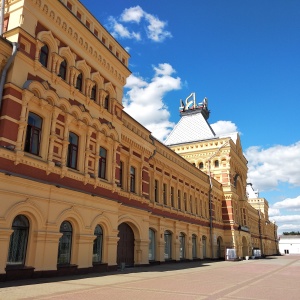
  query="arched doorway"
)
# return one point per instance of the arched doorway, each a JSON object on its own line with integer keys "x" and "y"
{"x": 181, "y": 245}
{"x": 194, "y": 246}
{"x": 220, "y": 248}
{"x": 204, "y": 246}
{"x": 125, "y": 248}
{"x": 245, "y": 247}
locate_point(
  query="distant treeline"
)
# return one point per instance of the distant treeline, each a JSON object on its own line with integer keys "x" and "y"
{"x": 291, "y": 233}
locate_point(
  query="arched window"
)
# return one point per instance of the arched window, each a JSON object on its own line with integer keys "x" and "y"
{"x": 182, "y": 245}
{"x": 201, "y": 165}
{"x": 18, "y": 241}
{"x": 168, "y": 244}
{"x": 72, "y": 151}
{"x": 151, "y": 244}
{"x": 132, "y": 179}
{"x": 94, "y": 92}
{"x": 216, "y": 163}
{"x": 63, "y": 70}
{"x": 106, "y": 102}
{"x": 102, "y": 163}
{"x": 44, "y": 55}
{"x": 65, "y": 243}
{"x": 194, "y": 246}
{"x": 98, "y": 244}
{"x": 79, "y": 81}
{"x": 33, "y": 134}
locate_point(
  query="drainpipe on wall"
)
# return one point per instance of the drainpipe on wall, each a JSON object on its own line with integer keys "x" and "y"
{"x": 5, "y": 69}
{"x": 210, "y": 212}
{"x": 209, "y": 198}
{"x": 2, "y": 17}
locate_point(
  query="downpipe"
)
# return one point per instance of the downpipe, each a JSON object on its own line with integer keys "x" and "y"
{"x": 2, "y": 17}
{"x": 5, "y": 69}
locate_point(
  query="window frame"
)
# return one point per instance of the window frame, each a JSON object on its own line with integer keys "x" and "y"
{"x": 69, "y": 237}
{"x": 63, "y": 64}
{"x": 98, "y": 244}
{"x": 44, "y": 56}
{"x": 102, "y": 167}
{"x": 20, "y": 232}
{"x": 79, "y": 82}
{"x": 33, "y": 134}
{"x": 152, "y": 245}
{"x": 132, "y": 179}
{"x": 72, "y": 148}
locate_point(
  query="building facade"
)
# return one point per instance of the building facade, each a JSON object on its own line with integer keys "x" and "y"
{"x": 83, "y": 186}
{"x": 289, "y": 244}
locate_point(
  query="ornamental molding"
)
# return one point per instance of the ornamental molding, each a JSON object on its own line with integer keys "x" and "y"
{"x": 61, "y": 22}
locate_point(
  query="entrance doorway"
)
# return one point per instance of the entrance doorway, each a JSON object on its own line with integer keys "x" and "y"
{"x": 245, "y": 247}
{"x": 125, "y": 248}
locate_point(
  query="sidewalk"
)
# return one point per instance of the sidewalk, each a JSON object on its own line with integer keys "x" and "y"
{"x": 271, "y": 278}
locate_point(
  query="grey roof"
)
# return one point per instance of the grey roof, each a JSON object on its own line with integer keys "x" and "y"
{"x": 190, "y": 128}
{"x": 289, "y": 236}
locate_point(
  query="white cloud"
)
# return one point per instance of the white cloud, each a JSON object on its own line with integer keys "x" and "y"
{"x": 224, "y": 127}
{"x": 274, "y": 212}
{"x": 144, "y": 100}
{"x": 288, "y": 204}
{"x": 119, "y": 30}
{"x": 132, "y": 14}
{"x": 155, "y": 28}
{"x": 287, "y": 223}
{"x": 268, "y": 167}
{"x": 286, "y": 218}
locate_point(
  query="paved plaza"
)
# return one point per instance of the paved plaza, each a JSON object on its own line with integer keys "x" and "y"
{"x": 273, "y": 278}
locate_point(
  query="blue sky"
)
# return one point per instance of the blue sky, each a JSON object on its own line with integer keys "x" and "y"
{"x": 244, "y": 56}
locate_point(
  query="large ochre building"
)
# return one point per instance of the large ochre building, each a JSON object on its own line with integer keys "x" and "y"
{"x": 83, "y": 186}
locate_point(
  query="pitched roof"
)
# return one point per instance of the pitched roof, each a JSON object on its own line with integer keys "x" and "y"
{"x": 190, "y": 128}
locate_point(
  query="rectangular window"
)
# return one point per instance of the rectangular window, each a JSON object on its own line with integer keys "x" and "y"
{"x": 72, "y": 151}
{"x": 69, "y": 5}
{"x": 165, "y": 194}
{"x": 95, "y": 32}
{"x": 88, "y": 24}
{"x": 33, "y": 134}
{"x": 172, "y": 196}
{"x": 79, "y": 15}
{"x": 179, "y": 200}
{"x": 156, "y": 191}
{"x": 132, "y": 179}
{"x": 102, "y": 163}
{"x": 121, "y": 174}
{"x": 5, "y": 25}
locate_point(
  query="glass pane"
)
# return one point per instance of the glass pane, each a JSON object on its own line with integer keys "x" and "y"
{"x": 97, "y": 246}
{"x": 34, "y": 120}
{"x": 151, "y": 244}
{"x": 18, "y": 240}
{"x": 103, "y": 152}
{"x": 65, "y": 243}
{"x": 73, "y": 138}
{"x": 168, "y": 239}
